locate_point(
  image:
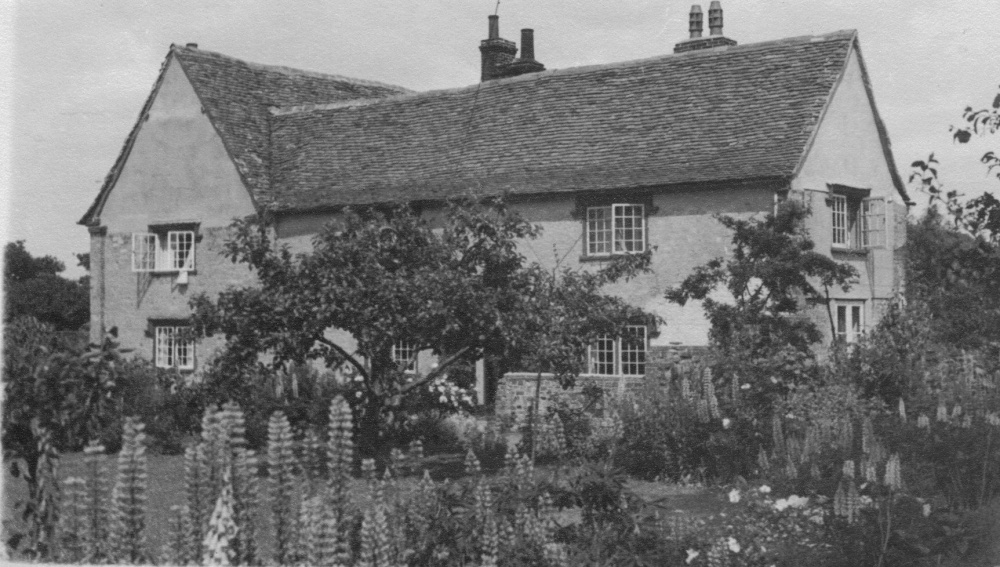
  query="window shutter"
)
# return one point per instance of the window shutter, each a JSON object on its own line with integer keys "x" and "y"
{"x": 144, "y": 247}
{"x": 873, "y": 222}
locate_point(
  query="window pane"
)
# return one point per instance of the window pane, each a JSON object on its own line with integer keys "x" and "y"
{"x": 405, "y": 352}
{"x": 173, "y": 349}
{"x": 839, "y": 212}
{"x": 634, "y": 351}
{"x": 629, "y": 228}
{"x": 602, "y": 356}
{"x": 842, "y": 322}
{"x": 180, "y": 245}
{"x": 144, "y": 252}
{"x": 855, "y": 322}
{"x": 873, "y": 222}
{"x": 599, "y": 230}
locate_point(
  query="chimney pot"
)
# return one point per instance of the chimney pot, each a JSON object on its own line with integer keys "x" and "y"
{"x": 193, "y": 45}
{"x": 527, "y": 44}
{"x": 695, "y": 21}
{"x": 494, "y": 27}
{"x": 715, "y": 17}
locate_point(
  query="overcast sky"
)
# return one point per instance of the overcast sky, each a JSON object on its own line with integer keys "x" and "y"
{"x": 77, "y": 71}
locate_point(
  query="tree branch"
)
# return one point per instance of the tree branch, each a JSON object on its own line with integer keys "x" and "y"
{"x": 347, "y": 356}
{"x": 432, "y": 375}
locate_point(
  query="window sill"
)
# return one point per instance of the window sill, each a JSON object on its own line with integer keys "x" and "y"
{"x": 607, "y": 257}
{"x": 850, "y": 251}
{"x": 165, "y": 272}
{"x": 615, "y": 376}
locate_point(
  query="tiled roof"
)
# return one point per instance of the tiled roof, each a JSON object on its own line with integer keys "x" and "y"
{"x": 734, "y": 113}
{"x": 236, "y": 95}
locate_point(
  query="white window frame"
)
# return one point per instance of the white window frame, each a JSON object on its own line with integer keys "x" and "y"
{"x": 618, "y": 228}
{"x": 177, "y": 240}
{"x": 145, "y": 247}
{"x": 170, "y": 351}
{"x": 873, "y": 232}
{"x": 405, "y": 351}
{"x": 849, "y": 320}
{"x": 151, "y": 253}
{"x": 617, "y": 357}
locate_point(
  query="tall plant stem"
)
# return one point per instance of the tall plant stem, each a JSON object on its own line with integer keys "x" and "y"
{"x": 888, "y": 529}
{"x": 986, "y": 465}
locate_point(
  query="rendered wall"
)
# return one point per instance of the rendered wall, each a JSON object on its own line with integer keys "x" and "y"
{"x": 847, "y": 150}
{"x": 178, "y": 171}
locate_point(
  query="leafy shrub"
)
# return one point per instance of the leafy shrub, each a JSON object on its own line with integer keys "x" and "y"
{"x": 683, "y": 429}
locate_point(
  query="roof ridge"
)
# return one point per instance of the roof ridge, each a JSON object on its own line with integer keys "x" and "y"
{"x": 838, "y": 35}
{"x": 291, "y": 71}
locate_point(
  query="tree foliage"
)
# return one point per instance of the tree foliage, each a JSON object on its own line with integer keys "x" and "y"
{"x": 981, "y": 122}
{"x": 57, "y": 394}
{"x": 953, "y": 251}
{"x": 455, "y": 285}
{"x": 34, "y": 287}
{"x": 754, "y": 297}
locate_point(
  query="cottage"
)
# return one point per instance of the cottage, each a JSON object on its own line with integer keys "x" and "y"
{"x": 608, "y": 159}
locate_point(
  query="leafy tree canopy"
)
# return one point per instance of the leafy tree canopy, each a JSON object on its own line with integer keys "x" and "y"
{"x": 771, "y": 273}
{"x": 455, "y": 286}
{"x": 34, "y": 287}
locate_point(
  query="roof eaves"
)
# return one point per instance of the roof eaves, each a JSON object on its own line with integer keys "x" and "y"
{"x": 777, "y": 182}
{"x": 92, "y": 216}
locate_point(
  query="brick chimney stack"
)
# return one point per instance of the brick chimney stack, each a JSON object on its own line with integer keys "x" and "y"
{"x": 715, "y": 38}
{"x": 496, "y": 51}
{"x": 498, "y": 54}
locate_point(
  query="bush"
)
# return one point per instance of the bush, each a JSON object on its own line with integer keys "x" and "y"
{"x": 685, "y": 429}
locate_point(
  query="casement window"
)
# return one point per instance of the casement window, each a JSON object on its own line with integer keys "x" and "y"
{"x": 174, "y": 347}
{"x": 404, "y": 354}
{"x": 616, "y": 229}
{"x": 169, "y": 251}
{"x": 849, "y": 320}
{"x": 625, "y": 356}
{"x": 857, "y": 223}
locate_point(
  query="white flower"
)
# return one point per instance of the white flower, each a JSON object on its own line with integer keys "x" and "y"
{"x": 734, "y": 495}
{"x": 692, "y": 555}
{"x": 816, "y": 519}
{"x": 798, "y": 501}
{"x": 357, "y": 394}
{"x": 745, "y": 387}
{"x": 734, "y": 545}
{"x": 866, "y": 500}
{"x": 726, "y": 423}
{"x": 927, "y": 510}
{"x": 443, "y": 399}
{"x": 780, "y": 504}
{"x": 764, "y": 489}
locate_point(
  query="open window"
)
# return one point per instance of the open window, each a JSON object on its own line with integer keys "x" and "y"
{"x": 165, "y": 248}
{"x": 858, "y": 220}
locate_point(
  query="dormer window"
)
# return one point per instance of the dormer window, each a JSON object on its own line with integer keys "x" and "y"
{"x": 165, "y": 248}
